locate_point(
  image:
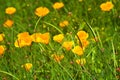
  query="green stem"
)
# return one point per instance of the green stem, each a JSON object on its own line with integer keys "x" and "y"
{"x": 99, "y": 39}
{"x": 8, "y": 74}
{"x": 41, "y": 47}
{"x": 93, "y": 32}
{"x": 66, "y": 71}
{"x": 114, "y": 57}
{"x": 37, "y": 23}
{"x": 54, "y": 27}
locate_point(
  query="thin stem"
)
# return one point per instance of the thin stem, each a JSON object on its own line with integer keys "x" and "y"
{"x": 93, "y": 77}
{"x": 41, "y": 47}
{"x": 99, "y": 39}
{"x": 66, "y": 71}
{"x": 93, "y": 32}
{"x": 8, "y": 74}
{"x": 114, "y": 57}
{"x": 37, "y": 23}
{"x": 54, "y": 27}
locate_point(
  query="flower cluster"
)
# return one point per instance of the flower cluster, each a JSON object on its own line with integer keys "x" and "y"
{"x": 82, "y": 41}
{"x": 25, "y": 39}
{"x": 2, "y": 47}
{"x": 42, "y": 38}
{"x": 9, "y": 23}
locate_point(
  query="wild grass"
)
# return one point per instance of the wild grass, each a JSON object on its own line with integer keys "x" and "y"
{"x": 101, "y": 55}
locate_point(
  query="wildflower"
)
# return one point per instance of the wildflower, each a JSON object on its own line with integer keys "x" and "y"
{"x": 58, "y": 5}
{"x": 8, "y": 23}
{"x": 80, "y": 0}
{"x": 63, "y": 23}
{"x": 28, "y": 66}
{"x": 58, "y": 38}
{"x": 89, "y": 9}
{"x": 81, "y": 61}
{"x": 2, "y": 49}
{"x": 2, "y": 37}
{"x": 106, "y": 6}
{"x": 43, "y": 38}
{"x": 10, "y": 10}
{"x": 84, "y": 43}
{"x": 77, "y": 50}
{"x": 67, "y": 45}
{"x": 41, "y": 11}
{"x": 57, "y": 58}
{"x": 82, "y": 35}
{"x": 24, "y": 39}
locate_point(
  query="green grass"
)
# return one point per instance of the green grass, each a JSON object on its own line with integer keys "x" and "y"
{"x": 102, "y": 56}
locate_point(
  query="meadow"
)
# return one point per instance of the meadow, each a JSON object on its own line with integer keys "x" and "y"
{"x": 59, "y": 40}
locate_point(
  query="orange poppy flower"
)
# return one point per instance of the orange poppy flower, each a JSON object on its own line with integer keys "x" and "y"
{"x": 41, "y": 11}
{"x": 2, "y": 49}
{"x": 106, "y": 6}
{"x": 10, "y": 10}
{"x": 77, "y": 50}
{"x": 24, "y": 39}
{"x": 58, "y": 5}
{"x": 82, "y": 35}
{"x": 63, "y": 23}
{"x": 84, "y": 43}
{"x": 67, "y": 45}
{"x": 58, "y": 38}
{"x": 8, "y": 23}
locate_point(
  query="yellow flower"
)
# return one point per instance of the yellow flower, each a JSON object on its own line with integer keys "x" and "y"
{"x": 41, "y": 11}
{"x": 10, "y": 10}
{"x": 2, "y": 49}
{"x": 67, "y": 45}
{"x": 24, "y": 39}
{"x": 58, "y": 5}
{"x": 28, "y": 66}
{"x": 77, "y": 50}
{"x": 58, "y": 38}
{"x": 43, "y": 38}
{"x": 57, "y": 58}
{"x": 2, "y": 37}
{"x": 81, "y": 61}
{"x": 82, "y": 35}
{"x": 8, "y": 23}
{"x": 63, "y": 23}
{"x": 106, "y": 6}
{"x": 80, "y": 0}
